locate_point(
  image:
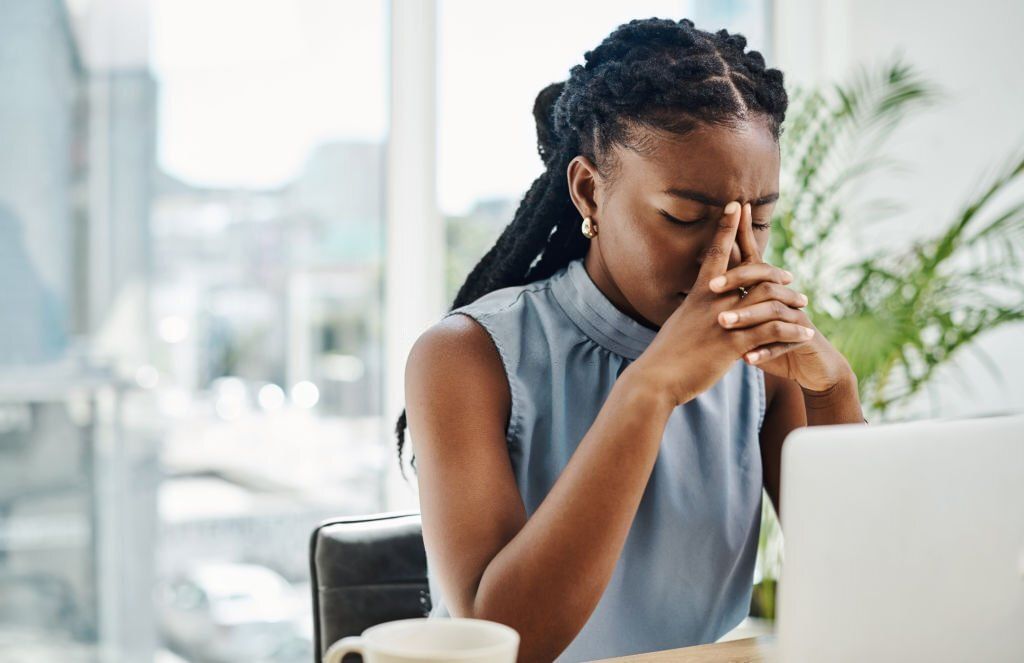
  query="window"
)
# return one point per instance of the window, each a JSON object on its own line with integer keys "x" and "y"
{"x": 192, "y": 226}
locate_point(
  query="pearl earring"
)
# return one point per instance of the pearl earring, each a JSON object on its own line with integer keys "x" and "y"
{"x": 589, "y": 228}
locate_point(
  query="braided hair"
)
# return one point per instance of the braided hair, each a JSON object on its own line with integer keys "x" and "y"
{"x": 658, "y": 73}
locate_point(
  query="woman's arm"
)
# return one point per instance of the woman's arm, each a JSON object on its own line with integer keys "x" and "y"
{"x": 839, "y": 404}
{"x": 791, "y": 406}
{"x": 543, "y": 576}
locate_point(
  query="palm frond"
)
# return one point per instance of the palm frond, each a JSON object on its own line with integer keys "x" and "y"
{"x": 900, "y": 311}
{"x": 899, "y": 314}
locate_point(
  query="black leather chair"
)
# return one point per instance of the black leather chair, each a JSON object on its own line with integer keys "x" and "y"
{"x": 366, "y": 570}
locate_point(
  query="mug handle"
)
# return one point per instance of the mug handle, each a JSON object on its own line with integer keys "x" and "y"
{"x": 353, "y": 644}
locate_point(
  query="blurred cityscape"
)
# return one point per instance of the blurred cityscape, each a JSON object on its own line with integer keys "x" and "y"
{"x": 190, "y": 376}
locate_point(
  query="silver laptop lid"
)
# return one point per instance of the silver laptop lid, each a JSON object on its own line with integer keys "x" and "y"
{"x": 903, "y": 542}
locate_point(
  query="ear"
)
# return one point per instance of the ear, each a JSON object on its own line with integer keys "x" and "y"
{"x": 584, "y": 185}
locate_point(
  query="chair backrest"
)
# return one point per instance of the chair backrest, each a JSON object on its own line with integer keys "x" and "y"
{"x": 366, "y": 570}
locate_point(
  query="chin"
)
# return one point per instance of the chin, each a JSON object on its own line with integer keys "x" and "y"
{"x": 657, "y": 322}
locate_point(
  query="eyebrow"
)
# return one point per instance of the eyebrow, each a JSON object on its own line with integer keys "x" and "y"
{"x": 690, "y": 194}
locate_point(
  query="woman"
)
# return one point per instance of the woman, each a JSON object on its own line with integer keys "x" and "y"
{"x": 596, "y": 417}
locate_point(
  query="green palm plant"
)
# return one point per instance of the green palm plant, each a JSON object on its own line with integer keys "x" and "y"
{"x": 899, "y": 312}
{"x": 896, "y": 312}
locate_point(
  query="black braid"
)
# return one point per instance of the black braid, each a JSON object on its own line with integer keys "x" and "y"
{"x": 659, "y": 73}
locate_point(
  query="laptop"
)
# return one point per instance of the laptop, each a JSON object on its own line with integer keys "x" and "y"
{"x": 903, "y": 542}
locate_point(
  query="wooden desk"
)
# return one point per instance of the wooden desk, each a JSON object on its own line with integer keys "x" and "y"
{"x": 748, "y": 650}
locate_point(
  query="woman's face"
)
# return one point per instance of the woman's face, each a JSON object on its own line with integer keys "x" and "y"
{"x": 641, "y": 259}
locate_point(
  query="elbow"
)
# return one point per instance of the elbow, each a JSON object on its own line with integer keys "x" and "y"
{"x": 536, "y": 644}
{"x": 541, "y": 638}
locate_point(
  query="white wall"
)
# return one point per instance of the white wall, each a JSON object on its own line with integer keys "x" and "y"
{"x": 971, "y": 50}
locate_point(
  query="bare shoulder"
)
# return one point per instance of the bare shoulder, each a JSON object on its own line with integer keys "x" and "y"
{"x": 454, "y": 369}
{"x": 455, "y": 348}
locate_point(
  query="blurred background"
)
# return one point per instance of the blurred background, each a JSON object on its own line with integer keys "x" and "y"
{"x": 223, "y": 223}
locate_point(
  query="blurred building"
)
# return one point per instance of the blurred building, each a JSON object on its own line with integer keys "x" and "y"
{"x": 43, "y": 128}
{"x": 73, "y": 550}
{"x": 277, "y": 286}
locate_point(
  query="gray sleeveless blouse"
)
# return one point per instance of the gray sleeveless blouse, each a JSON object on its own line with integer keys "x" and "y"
{"x": 686, "y": 571}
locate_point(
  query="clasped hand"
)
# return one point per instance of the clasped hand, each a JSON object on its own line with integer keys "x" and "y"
{"x": 814, "y": 363}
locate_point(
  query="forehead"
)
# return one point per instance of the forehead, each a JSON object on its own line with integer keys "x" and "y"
{"x": 724, "y": 162}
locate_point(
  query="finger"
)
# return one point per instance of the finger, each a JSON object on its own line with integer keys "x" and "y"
{"x": 716, "y": 257}
{"x": 755, "y": 314}
{"x": 770, "y": 351}
{"x": 773, "y": 331}
{"x": 736, "y": 255}
{"x": 767, "y": 290}
{"x": 750, "y": 274}
{"x": 745, "y": 237}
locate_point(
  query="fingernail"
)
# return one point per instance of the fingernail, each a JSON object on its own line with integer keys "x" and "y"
{"x": 789, "y": 274}
{"x": 808, "y": 332}
{"x": 732, "y": 207}
{"x": 752, "y": 356}
{"x": 803, "y": 299}
{"x": 717, "y": 282}
{"x": 729, "y": 317}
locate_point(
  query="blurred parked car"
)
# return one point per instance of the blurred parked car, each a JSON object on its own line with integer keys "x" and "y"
{"x": 221, "y": 612}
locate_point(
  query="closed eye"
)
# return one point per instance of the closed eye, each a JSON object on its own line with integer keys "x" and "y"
{"x": 679, "y": 221}
{"x": 759, "y": 226}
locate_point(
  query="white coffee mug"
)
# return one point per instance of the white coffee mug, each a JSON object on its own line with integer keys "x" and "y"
{"x": 424, "y": 639}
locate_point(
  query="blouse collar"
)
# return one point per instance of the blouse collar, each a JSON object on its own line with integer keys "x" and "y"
{"x": 596, "y": 315}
